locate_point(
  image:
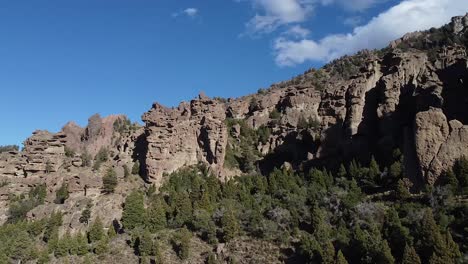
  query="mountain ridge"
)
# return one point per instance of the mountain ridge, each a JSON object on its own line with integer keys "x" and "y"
{"x": 372, "y": 126}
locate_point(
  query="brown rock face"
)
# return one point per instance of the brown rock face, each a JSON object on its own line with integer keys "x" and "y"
{"x": 438, "y": 143}
{"x": 412, "y": 96}
{"x": 44, "y": 152}
{"x": 186, "y": 135}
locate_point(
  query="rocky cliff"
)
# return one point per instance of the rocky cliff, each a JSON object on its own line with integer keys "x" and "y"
{"x": 411, "y": 96}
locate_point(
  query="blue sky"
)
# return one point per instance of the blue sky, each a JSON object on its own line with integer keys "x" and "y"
{"x": 63, "y": 60}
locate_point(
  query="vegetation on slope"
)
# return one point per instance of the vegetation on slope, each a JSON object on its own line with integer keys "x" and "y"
{"x": 317, "y": 217}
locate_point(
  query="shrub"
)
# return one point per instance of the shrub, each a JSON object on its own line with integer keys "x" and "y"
{"x": 275, "y": 114}
{"x": 69, "y": 152}
{"x": 126, "y": 171}
{"x": 263, "y": 133}
{"x": 136, "y": 168}
{"x": 86, "y": 213}
{"x": 101, "y": 157}
{"x": 8, "y": 148}
{"x": 62, "y": 194}
{"x": 86, "y": 159}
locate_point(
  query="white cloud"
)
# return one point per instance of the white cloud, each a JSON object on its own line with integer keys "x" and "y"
{"x": 407, "y": 16}
{"x": 296, "y": 31}
{"x": 274, "y": 13}
{"x": 190, "y": 12}
{"x": 353, "y": 5}
{"x": 353, "y": 21}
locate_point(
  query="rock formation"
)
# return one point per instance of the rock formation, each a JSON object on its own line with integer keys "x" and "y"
{"x": 191, "y": 133}
{"x": 411, "y": 95}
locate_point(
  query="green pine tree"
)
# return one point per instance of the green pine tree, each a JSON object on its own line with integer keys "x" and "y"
{"x": 328, "y": 253}
{"x": 157, "y": 216}
{"x": 96, "y": 232}
{"x": 342, "y": 171}
{"x": 102, "y": 246}
{"x": 374, "y": 171}
{"x": 145, "y": 247}
{"x": 431, "y": 238}
{"x": 401, "y": 192}
{"x": 109, "y": 181}
{"x": 63, "y": 247}
{"x": 182, "y": 241}
{"x": 230, "y": 226}
{"x": 410, "y": 256}
{"x": 183, "y": 209}
{"x": 134, "y": 213}
{"x": 340, "y": 258}
{"x": 81, "y": 245}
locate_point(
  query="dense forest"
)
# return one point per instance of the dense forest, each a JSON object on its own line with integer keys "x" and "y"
{"x": 320, "y": 216}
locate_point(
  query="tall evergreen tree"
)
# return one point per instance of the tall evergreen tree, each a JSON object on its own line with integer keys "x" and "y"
{"x": 401, "y": 192}
{"x": 183, "y": 210}
{"x": 431, "y": 238}
{"x": 145, "y": 247}
{"x": 340, "y": 258}
{"x": 157, "y": 216}
{"x": 96, "y": 232}
{"x": 134, "y": 213}
{"x": 374, "y": 171}
{"x": 230, "y": 225}
{"x": 410, "y": 256}
{"x": 109, "y": 181}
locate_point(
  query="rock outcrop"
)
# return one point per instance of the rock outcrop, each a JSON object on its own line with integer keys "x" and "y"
{"x": 191, "y": 133}
{"x": 412, "y": 95}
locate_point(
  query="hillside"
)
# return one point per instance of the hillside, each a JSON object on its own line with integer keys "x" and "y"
{"x": 360, "y": 161}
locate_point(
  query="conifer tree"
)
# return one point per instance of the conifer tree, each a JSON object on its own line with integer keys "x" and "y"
{"x": 81, "y": 245}
{"x": 102, "y": 246}
{"x": 62, "y": 248}
{"x": 340, "y": 258}
{"x": 53, "y": 241}
{"x": 109, "y": 181}
{"x": 374, "y": 170}
{"x": 401, "y": 192}
{"x": 328, "y": 253}
{"x": 96, "y": 232}
{"x": 157, "y": 216}
{"x": 230, "y": 226}
{"x": 72, "y": 244}
{"x": 410, "y": 256}
{"x": 431, "y": 238}
{"x": 183, "y": 209}
{"x": 158, "y": 258}
{"x": 182, "y": 241}
{"x": 111, "y": 232}
{"x": 342, "y": 171}
{"x": 145, "y": 247}
{"x": 134, "y": 213}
